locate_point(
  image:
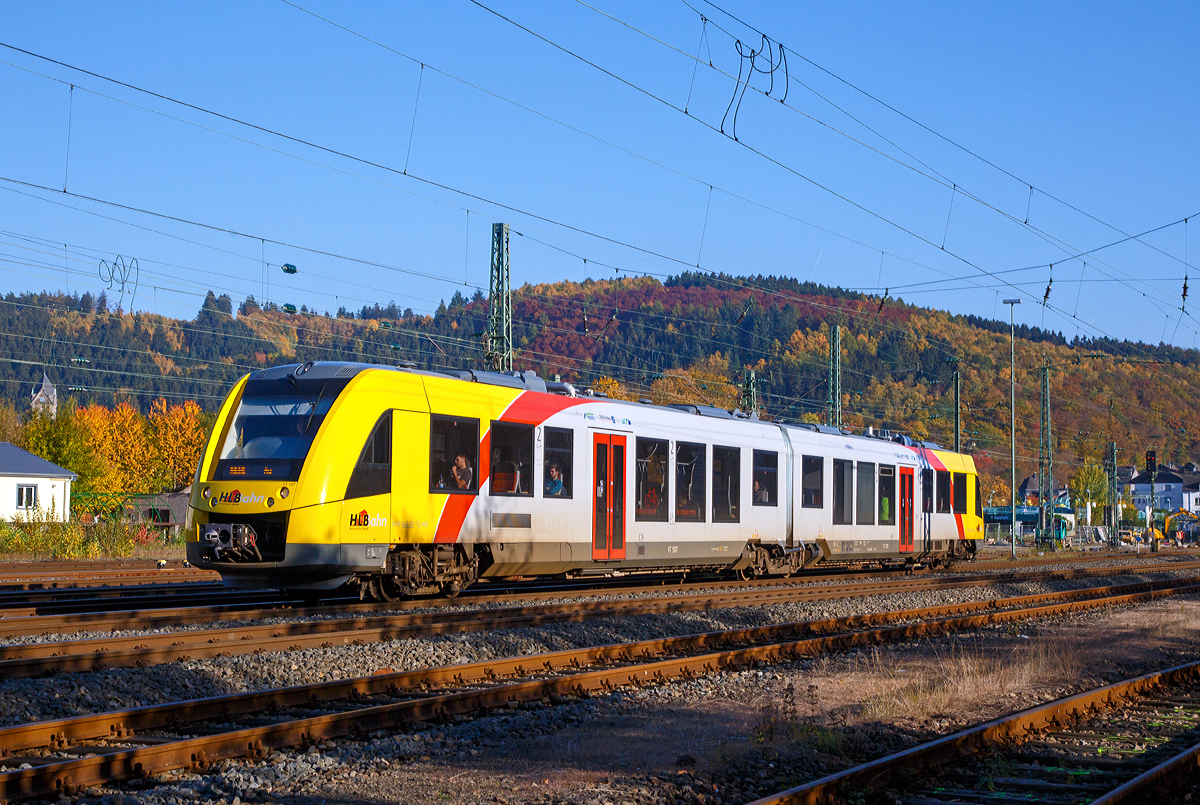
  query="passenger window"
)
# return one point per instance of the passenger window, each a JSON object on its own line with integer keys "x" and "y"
{"x": 653, "y": 488}
{"x": 843, "y": 492}
{"x": 689, "y": 482}
{"x": 866, "y": 493}
{"x": 978, "y": 499}
{"x": 727, "y": 465}
{"x": 926, "y": 490}
{"x": 812, "y": 481}
{"x": 372, "y": 474}
{"x": 559, "y": 462}
{"x": 943, "y": 491}
{"x": 766, "y": 478}
{"x": 453, "y": 454}
{"x": 887, "y": 495}
{"x": 511, "y": 470}
{"x": 960, "y": 493}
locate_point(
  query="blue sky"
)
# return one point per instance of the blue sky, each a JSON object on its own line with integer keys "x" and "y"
{"x": 1092, "y": 104}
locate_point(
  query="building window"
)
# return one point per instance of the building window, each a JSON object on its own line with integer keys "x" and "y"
{"x": 812, "y": 482}
{"x": 453, "y": 455}
{"x": 689, "y": 482}
{"x": 653, "y": 488}
{"x": 511, "y": 470}
{"x": 559, "y": 462}
{"x": 27, "y": 497}
{"x": 926, "y": 490}
{"x": 372, "y": 474}
{"x": 887, "y": 495}
{"x": 866, "y": 493}
{"x": 726, "y": 473}
{"x": 943, "y": 491}
{"x": 960, "y": 493}
{"x": 843, "y": 492}
{"x": 766, "y": 478}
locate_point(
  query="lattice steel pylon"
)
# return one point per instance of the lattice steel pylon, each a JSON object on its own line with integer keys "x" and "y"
{"x": 1113, "y": 509}
{"x": 835, "y": 376}
{"x": 749, "y": 395}
{"x": 497, "y": 345}
{"x": 1045, "y": 465}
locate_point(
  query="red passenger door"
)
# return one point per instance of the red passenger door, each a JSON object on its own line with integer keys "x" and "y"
{"x": 608, "y": 513}
{"x": 906, "y": 509}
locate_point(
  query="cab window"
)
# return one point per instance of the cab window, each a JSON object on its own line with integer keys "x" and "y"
{"x": 453, "y": 455}
{"x": 978, "y": 499}
{"x": 511, "y": 468}
{"x": 372, "y": 474}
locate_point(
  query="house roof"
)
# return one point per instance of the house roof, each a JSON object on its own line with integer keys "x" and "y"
{"x": 15, "y": 461}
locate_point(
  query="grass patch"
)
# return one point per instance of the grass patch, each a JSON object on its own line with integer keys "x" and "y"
{"x": 39, "y": 535}
{"x": 964, "y": 676}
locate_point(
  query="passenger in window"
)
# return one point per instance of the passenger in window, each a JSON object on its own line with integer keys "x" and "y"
{"x": 463, "y": 474}
{"x": 554, "y": 484}
{"x": 760, "y": 493}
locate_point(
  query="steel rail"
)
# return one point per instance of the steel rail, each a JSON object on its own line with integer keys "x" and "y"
{"x": 64, "y": 777}
{"x": 1007, "y": 730}
{"x": 36, "y": 624}
{"x": 36, "y": 659}
{"x": 1138, "y": 789}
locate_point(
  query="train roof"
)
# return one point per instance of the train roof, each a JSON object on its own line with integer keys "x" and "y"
{"x": 530, "y": 381}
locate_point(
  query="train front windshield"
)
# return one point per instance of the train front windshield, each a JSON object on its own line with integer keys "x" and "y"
{"x": 273, "y": 427}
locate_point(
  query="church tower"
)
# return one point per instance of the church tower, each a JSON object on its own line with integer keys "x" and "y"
{"x": 45, "y": 398}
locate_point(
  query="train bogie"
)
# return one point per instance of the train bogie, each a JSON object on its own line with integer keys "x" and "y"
{"x": 411, "y": 482}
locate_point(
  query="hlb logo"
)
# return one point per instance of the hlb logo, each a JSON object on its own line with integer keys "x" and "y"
{"x": 364, "y": 520}
{"x": 236, "y": 497}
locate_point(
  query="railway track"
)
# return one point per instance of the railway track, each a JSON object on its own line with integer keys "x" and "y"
{"x": 56, "y": 758}
{"x": 40, "y": 658}
{"x": 1120, "y": 743}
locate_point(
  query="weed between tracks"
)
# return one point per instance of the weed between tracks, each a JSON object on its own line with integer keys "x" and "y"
{"x": 964, "y": 676}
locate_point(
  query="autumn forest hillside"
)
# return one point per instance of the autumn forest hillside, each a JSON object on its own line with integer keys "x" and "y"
{"x": 691, "y": 339}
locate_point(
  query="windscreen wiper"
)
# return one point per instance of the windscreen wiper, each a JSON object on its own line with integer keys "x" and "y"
{"x": 291, "y": 378}
{"x": 313, "y": 410}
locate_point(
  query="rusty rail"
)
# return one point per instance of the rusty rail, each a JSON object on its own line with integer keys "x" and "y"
{"x": 33, "y": 624}
{"x": 1011, "y": 729}
{"x": 65, "y": 776}
{"x": 36, "y": 659}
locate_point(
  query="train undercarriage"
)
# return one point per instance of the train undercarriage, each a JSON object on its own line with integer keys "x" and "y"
{"x": 422, "y": 570}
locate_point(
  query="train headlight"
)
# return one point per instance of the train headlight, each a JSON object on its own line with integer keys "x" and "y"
{"x": 207, "y": 493}
{"x": 284, "y": 492}
{"x": 270, "y": 502}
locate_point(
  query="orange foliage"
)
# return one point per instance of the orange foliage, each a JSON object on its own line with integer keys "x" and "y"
{"x": 177, "y": 432}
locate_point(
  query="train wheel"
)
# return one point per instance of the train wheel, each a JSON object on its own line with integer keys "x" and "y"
{"x": 383, "y": 590}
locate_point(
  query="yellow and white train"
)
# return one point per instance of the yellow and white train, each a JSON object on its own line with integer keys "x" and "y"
{"x": 405, "y": 482}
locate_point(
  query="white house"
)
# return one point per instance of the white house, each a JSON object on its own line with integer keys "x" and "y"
{"x": 28, "y": 483}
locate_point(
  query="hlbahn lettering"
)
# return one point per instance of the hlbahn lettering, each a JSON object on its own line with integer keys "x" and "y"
{"x": 364, "y": 520}
{"x": 235, "y": 497}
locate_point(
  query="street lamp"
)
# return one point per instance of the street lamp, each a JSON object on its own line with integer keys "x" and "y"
{"x": 1012, "y": 390}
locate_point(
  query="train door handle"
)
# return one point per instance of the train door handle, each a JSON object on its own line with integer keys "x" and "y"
{"x": 600, "y": 490}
